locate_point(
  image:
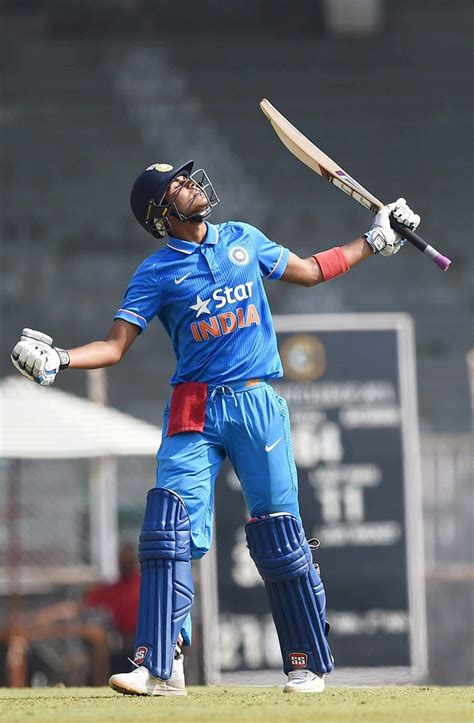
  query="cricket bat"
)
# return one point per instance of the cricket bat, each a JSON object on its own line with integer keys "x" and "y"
{"x": 320, "y": 163}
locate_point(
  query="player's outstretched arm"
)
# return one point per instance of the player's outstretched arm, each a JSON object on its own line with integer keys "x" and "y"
{"x": 105, "y": 353}
{"x": 381, "y": 238}
{"x": 39, "y": 361}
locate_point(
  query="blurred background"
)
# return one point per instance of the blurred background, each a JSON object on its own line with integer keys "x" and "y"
{"x": 93, "y": 92}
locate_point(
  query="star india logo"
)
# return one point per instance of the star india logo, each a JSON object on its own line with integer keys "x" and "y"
{"x": 201, "y": 307}
{"x": 217, "y": 323}
{"x": 239, "y": 256}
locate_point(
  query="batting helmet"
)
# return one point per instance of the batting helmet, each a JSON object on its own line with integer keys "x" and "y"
{"x": 148, "y": 191}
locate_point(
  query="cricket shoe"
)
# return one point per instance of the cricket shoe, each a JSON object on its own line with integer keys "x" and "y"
{"x": 304, "y": 681}
{"x": 141, "y": 682}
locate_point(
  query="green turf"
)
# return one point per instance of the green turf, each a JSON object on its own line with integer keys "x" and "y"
{"x": 336, "y": 705}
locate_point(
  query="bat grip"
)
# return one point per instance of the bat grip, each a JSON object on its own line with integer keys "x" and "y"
{"x": 442, "y": 261}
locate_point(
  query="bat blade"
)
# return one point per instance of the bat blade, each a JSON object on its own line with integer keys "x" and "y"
{"x": 316, "y": 159}
{"x": 313, "y": 157}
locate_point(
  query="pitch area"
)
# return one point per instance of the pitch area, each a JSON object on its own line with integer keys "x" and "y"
{"x": 222, "y": 704}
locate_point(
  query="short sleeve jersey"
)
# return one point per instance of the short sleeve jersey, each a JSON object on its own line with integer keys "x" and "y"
{"x": 211, "y": 301}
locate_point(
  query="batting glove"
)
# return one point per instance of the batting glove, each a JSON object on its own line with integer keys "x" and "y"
{"x": 382, "y": 236}
{"x": 37, "y": 359}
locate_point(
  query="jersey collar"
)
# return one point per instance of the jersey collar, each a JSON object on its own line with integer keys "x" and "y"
{"x": 187, "y": 247}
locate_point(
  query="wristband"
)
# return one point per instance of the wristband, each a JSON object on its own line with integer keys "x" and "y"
{"x": 63, "y": 357}
{"x": 376, "y": 239}
{"x": 332, "y": 263}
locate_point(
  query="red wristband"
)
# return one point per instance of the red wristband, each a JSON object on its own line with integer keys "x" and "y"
{"x": 332, "y": 263}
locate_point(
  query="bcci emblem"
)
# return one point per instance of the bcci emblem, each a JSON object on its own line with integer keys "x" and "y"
{"x": 162, "y": 167}
{"x": 239, "y": 256}
{"x": 303, "y": 357}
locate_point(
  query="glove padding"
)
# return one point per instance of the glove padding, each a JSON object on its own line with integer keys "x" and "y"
{"x": 382, "y": 236}
{"x": 37, "y": 359}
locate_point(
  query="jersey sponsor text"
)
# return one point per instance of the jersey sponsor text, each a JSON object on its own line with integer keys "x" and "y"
{"x": 225, "y": 323}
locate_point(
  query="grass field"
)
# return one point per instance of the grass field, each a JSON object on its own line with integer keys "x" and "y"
{"x": 336, "y": 705}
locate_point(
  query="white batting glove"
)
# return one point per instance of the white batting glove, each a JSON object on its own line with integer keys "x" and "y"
{"x": 382, "y": 236}
{"x": 37, "y": 359}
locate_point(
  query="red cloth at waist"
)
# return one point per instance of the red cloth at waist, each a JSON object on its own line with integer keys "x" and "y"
{"x": 187, "y": 408}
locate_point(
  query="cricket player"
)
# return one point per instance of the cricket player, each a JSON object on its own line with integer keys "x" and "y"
{"x": 205, "y": 284}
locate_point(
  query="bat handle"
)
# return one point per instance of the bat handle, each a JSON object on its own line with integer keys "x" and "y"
{"x": 442, "y": 261}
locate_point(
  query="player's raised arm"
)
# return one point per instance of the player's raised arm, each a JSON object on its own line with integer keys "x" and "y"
{"x": 39, "y": 361}
{"x": 381, "y": 238}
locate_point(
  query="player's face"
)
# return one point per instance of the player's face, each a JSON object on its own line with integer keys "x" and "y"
{"x": 187, "y": 196}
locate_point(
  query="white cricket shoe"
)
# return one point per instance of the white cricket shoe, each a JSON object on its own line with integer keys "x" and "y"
{"x": 304, "y": 681}
{"x": 141, "y": 682}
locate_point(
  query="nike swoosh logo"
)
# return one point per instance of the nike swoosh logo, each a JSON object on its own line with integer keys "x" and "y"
{"x": 180, "y": 281}
{"x": 269, "y": 447}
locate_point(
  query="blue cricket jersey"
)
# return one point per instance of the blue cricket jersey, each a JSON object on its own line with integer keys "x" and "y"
{"x": 211, "y": 300}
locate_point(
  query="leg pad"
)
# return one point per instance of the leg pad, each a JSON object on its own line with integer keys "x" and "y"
{"x": 166, "y": 588}
{"x": 278, "y": 547}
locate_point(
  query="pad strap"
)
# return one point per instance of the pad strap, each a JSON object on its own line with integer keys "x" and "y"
{"x": 166, "y": 587}
{"x": 295, "y": 592}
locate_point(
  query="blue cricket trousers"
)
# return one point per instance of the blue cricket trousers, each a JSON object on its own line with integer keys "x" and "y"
{"x": 249, "y": 423}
